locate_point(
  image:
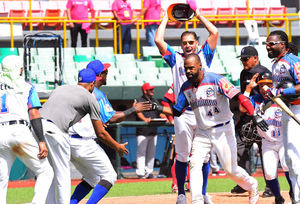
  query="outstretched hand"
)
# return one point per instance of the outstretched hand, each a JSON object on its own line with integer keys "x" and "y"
{"x": 142, "y": 106}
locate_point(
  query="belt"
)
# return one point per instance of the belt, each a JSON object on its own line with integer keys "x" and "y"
{"x": 76, "y": 136}
{"x": 221, "y": 124}
{"x": 188, "y": 109}
{"x": 15, "y": 122}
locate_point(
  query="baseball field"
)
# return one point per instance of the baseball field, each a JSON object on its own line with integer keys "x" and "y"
{"x": 153, "y": 191}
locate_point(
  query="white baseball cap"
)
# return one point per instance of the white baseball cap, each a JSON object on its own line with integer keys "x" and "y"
{"x": 12, "y": 63}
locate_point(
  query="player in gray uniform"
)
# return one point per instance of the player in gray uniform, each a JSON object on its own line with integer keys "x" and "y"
{"x": 19, "y": 104}
{"x": 66, "y": 106}
{"x": 86, "y": 155}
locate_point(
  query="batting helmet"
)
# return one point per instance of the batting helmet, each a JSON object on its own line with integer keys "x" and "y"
{"x": 249, "y": 134}
{"x": 180, "y": 12}
{"x": 291, "y": 99}
{"x": 264, "y": 78}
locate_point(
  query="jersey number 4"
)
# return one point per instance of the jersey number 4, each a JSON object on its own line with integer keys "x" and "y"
{"x": 3, "y": 104}
{"x": 213, "y": 111}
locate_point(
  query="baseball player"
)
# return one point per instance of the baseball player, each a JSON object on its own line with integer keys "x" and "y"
{"x": 286, "y": 68}
{"x": 67, "y": 105}
{"x": 207, "y": 94}
{"x": 20, "y": 104}
{"x": 272, "y": 145}
{"x": 185, "y": 125}
{"x": 86, "y": 155}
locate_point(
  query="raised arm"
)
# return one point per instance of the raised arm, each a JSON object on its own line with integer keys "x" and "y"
{"x": 160, "y": 35}
{"x": 211, "y": 28}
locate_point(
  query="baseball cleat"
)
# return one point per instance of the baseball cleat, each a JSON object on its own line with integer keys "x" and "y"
{"x": 279, "y": 200}
{"x": 218, "y": 173}
{"x": 175, "y": 189}
{"x": 253, "y": 195}
{"x": 267, "y": 193}
{"x": 181, "y": 199}
{"x": 207, "y": 199}
{"x": 237, "y": 190}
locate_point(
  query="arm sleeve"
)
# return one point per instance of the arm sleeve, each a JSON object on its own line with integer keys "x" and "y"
{"x": 245, "y": 102}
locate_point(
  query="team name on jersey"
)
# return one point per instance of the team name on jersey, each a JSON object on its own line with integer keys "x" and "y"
{"x": 203, "y": 102}
{"x": 273, "y": 122}
{"x": 4, "y": 87}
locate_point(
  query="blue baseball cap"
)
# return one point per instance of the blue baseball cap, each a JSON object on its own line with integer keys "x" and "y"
{"x": 97, "y": 66}
{"x": 86, "y": 76}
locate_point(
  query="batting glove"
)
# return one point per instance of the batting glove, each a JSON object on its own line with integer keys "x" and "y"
{"x": 260, "y": 122}
{"x": 271, "y": 92}
{"x": 157, "y": 107}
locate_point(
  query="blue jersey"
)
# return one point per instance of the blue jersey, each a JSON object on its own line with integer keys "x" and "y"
{"x": 176, "y": 62}
{"x": 209, "y": 100}
{"x": 106, "y": 110}
{"x": 272, "y": 116}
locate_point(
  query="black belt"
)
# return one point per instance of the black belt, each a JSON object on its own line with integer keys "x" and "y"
{"x": 221, "y": 124}
{"x": 15, "y": 122}
{"x": 76, "y": 136}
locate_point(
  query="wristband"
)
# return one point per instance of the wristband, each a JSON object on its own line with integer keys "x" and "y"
{"x": 288, "y": 91}
{"x": 129, "y": 111}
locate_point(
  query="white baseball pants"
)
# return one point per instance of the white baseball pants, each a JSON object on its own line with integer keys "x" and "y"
{"x": 290, "y": 133}
{"x": 223, "y": 140}
{"x": 145, "y": 154}
{"x": 58, "y": 144}
{"x": 91, "y": 161}
{"x": 272, "y": 153}
{"x": 18, "y": 141}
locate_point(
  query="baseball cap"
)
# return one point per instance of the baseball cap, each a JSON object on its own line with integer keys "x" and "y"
{"x": 147, "y": 86}
{"x": 97, "y": 66}
{"x": 12, "y": 63}
{"x": 180, "y": 12}
{"x": 86, "y": 76}
{"x": 264, "y": 78}
{"x": 248, "y": 51}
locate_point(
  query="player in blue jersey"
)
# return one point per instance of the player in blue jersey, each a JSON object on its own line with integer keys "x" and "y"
{"x": 185, "y": 125}
{"x": 207, "y": 94}
{"x": 86, "y": 155}
{"x": 286, "y": 68}
{"x": 20, "y": 108}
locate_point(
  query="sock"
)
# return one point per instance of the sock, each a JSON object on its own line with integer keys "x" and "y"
{"x": 274, "y": 186}
{"x": 205, "y": 172}
{"x": 98, "y": 193}
{"x": 180, "y": 169}
{"x": 287, "y": 175}
{"x": 80, "y": 192}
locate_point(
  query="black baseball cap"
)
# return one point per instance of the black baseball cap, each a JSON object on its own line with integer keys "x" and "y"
{"x": 248, "y": 51}
{"x": 264, "y": 78}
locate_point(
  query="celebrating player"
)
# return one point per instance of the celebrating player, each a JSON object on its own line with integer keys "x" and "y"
{"x": 185, "y": 125}
{"x": 66, "y": 106}
{"x": 86, "y": 155}
{"x": 20, "y": 103}
{"x": 207, "y": 94}
{"x": 272, "y": 145}
{"x": 286, "y": 68}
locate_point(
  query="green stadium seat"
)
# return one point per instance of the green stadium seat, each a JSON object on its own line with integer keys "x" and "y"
{"x": 69, "y": 51}
{"x": 104, "y": 50}
{"x": 45, "y": 51}
{"x": 104, "y": 57}
{"x": 83, "y": 58}
{"x": 89, "y": 51}
{"x": 80, "y": 65}
{"x": 124, "y": 57}
{"x": 149, "y": 51}
{"x": 8, "y": 51}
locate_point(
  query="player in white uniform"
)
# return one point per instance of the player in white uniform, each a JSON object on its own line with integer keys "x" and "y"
{"x": 19, "y": 104}
{"x": 86, "y": 155}
{"x": 207, "y": 93}
{"x": 272, "y": 144}
{"x": 66, "y": 106}
{"x": 286, "y": 68}
{"x": 185, "y": 125}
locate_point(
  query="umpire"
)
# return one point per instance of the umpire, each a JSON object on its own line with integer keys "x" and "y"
{"x": 251, "y": 64}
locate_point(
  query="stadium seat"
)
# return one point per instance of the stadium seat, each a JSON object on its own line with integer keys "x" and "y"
{"x": 83, "y": 58}
{"x": 90, "y": 51}
{"x": 106, "y": 14}
{"x": 3, "y": 12}
{"x": 18, "y": 13}
{"x": 36, "y": 11}
{"x": 240, "y": 11}
{"x": 277, "y": 10}
{"x": 259, "y": 10}
{"x": 225, "y": 11}
{"x": 150, "y": 51}
{"x": 8, "y": 51}
{"x": 124, "y": 57}
{"x": 51, "y": 13}
{"x": 208, "y": 11}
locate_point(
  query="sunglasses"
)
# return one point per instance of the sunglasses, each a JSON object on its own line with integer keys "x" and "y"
{"x": 245, "y": 59}
{"x": 272, "y": 43}
{"x": 188, "y": 42}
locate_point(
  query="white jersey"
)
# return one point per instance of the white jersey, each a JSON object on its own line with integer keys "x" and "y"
{"x": 84, "y": 128}
{"x": 272, "y": 116}
{"x": 209, "y": 100}
{"x": 15, "y": 105}
{"x": 176, "y": 62}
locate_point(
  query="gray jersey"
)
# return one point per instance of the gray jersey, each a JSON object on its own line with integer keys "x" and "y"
{"x": 68, "y": 104}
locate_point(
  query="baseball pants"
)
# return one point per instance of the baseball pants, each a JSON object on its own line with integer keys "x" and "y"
{"x": 58, "y": 144}
{"x": 145, "y": 154}
{"x": 290, "y": 133}
{"x": 272, "y": 153}
{"x": 18, "y": 141}
{"x": 91, "y": 161}
{"x": 223, "y": 140}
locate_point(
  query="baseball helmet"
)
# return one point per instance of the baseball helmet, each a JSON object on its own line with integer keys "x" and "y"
{"x": 291, "y": 99}
{"x": 249, "y": 134}
{"x": 264, "y": 78}
{"x": 180, "y": 12}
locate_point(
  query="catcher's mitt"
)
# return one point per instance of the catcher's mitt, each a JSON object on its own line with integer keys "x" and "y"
{"x": 249, "y": 134}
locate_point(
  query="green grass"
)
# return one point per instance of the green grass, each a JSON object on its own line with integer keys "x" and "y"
{"x": 23, "y": 195}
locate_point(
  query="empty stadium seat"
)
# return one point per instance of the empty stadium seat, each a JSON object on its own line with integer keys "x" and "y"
{"x": 124, "y": 57}
{"x": 52, "y": 13}
{"x": 90, "y": 51}
{"x": 106, "y": 14}
{"x": 208, "y": 11}
{"x": 277, "y": 10}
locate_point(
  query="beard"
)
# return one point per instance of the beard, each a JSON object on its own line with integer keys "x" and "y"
{"x": 193, "y": 77}
{"x": 273, "y": 54}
